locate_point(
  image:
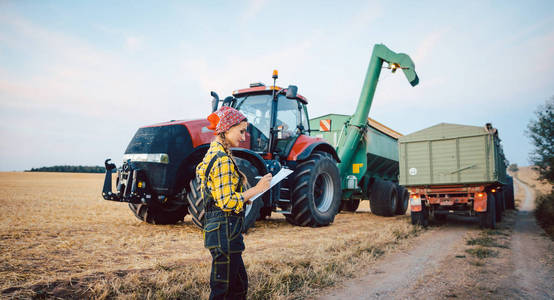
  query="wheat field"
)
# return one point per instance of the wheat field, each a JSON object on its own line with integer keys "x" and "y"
{"x": 59, "y": 238}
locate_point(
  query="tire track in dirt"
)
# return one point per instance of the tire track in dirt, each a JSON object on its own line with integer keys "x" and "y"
{"x": 397, "y": 272}
{"x": 533, "y": 254}
{"x": 438, "y": 267}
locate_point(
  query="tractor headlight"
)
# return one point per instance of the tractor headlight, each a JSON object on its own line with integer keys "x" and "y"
{"x": 161, "y": 158}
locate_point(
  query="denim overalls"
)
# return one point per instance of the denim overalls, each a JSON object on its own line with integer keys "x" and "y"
{"x": 223, "y": 237}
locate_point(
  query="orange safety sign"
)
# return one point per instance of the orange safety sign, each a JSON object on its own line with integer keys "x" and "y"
{"x": 325, "y": 125}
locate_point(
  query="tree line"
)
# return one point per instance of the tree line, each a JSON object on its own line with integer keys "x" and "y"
{"x": 70, "y": 169}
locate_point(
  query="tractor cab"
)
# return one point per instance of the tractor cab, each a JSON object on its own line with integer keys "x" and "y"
{"x": 276, "y": 117}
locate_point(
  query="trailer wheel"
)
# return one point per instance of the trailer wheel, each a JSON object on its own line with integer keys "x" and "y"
{"x": 251, "y": 212}
{"x": 350, "y": 205}
{"x": 316, "y": 191}
{"x": 509, "y": 196}
{"x": 162, "y": 214}
{"x": 440, "y": 217}
{"x": 403, "y": 199}
{"x": 420, "y": 217}
{"x": 488, "y": 219}
{"x": 383, "y": 199}
{"x": 499, "y": 206}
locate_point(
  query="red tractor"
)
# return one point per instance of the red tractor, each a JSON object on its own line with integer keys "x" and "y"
{"x": 158, "y": 179}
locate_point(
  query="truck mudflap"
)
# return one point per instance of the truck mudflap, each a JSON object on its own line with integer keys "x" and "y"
{"x": 131, "y": 184}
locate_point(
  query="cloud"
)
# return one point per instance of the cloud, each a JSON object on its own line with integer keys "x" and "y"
{"x": 134, "y": 43}
{"x": 252, "y": 10}
{"x": 70, "y": 74}
{"x": 237, "y": 71}
{"x": 429, "y": 44}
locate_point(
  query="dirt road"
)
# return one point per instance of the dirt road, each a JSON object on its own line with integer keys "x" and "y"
{"x": 458, "y": 260}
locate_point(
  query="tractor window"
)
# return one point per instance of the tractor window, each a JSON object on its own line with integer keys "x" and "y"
{"x": 289, "y": 117}
{"x": 257, "y": 109}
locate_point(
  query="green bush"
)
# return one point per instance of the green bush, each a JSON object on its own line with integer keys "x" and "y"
{"x": 545, "y": 212}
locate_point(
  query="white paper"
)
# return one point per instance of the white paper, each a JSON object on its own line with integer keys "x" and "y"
{"x": 283, "y": 173}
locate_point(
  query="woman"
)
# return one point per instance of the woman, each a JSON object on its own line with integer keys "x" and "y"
{"x": 224, "y": 198}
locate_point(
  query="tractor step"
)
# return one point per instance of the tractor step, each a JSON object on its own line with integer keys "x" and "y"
{"x": 284, "y": 212}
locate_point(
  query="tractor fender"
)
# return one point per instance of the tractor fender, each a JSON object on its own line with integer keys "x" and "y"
{"x": 252, "y": 157}
{"x": 305, "y": 145}
{"x": 187, "y": 169}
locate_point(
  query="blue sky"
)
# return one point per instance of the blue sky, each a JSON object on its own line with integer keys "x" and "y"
{"x": 77, "y": 78}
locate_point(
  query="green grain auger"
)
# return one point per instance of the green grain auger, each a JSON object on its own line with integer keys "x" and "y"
{"x": 368, "y": 157}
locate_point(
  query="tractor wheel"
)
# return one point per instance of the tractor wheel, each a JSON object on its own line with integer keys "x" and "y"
{"x": 316, "y": 191}
{"x": 383, "y": 199}
{"x": 251, "y": 212}
{"x": 350, "y": 205}
{"x": 163, "y": 213}
{"x": 420, "y": 217}
{"x": 403, "y": 199}
{"x": 488, "y": 219}
{"x": 265, "y": 212}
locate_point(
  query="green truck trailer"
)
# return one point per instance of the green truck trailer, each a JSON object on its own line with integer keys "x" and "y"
{"x": 455, "y": 169}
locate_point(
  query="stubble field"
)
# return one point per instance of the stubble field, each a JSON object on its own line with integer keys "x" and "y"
{"x": 59, "y": 238}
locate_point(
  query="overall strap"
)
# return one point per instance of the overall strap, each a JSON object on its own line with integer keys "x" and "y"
{"x": 204, "y": 187}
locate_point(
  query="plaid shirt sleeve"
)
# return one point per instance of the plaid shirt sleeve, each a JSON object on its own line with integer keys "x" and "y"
{"x": 224, "y": 185}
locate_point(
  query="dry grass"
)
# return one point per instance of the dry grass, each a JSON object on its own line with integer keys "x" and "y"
{"x": 58, "y": 238}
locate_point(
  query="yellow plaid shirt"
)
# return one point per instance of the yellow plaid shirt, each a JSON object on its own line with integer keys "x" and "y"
{"x": 223, "y": 180}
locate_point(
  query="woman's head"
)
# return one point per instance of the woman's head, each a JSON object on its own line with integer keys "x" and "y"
{"x": 229, "y": 124}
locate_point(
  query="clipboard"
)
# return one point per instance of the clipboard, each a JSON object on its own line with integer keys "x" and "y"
{"x": 282, "y": 174}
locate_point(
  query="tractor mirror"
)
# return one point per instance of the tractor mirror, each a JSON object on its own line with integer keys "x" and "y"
{"x": 215, "y": 100}
{"x": 228, "y": 101}
{"x": 291, "y": 91}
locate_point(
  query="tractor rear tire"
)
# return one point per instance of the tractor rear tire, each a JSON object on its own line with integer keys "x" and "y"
{"x": 316, "y": 191}
{"x": 384, "y": 198}
{"x": 488, "y": 219}
{"x": 251, "y": 212}
{"x": 161, "y": 214}
{"x": 403, "y": 199}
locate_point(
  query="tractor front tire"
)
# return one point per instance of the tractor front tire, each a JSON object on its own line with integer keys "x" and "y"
{"x": 161, "y": 214}
{"x": 316, "y": 191}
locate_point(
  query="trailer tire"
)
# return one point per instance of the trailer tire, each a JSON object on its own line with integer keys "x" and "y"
{"x": 384, "y": 198}
{"x": 440, "y": 217}
{"x": 420, "y": 217}
{"x": 488, "y": 219}
{"x": 316, "y": 191}
{"x": 499, "y": 206}
{"x": 350, "y": 205}
{"x": 162, "y": 214}
{"x": 196, "y": 204}
{"x": 509, "y": 196}
{"x": 403, "y": 199}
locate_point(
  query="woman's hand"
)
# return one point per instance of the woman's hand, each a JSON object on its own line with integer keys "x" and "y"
{"x": 261, "y": 186}
{"x": 264, "y": 183}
